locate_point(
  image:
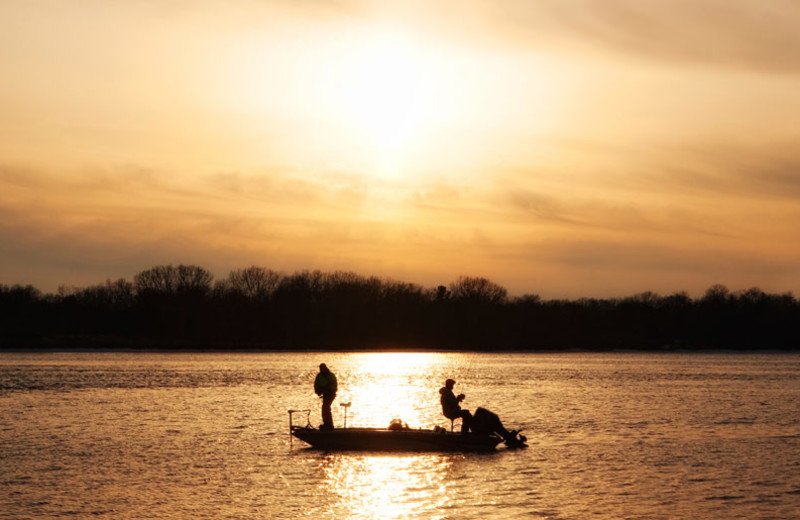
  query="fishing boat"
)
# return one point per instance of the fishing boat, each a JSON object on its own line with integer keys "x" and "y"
{"x": 397, "y": 437}
{"x": 389, "y": 439}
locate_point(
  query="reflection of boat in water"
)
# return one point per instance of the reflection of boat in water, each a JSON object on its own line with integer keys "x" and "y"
{"x": 394, "y": 439}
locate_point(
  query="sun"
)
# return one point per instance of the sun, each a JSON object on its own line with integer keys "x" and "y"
{"x": 393, "y": 97}
{"x": 388, "y": 102}
{"x": 388, "y": 93}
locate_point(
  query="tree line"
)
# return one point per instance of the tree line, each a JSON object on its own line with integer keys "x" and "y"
{"x": 183, "y": 306}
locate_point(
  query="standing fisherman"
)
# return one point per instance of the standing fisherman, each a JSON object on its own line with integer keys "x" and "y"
{"x": 325, "y": 386}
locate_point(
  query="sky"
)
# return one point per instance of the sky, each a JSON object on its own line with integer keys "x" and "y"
{"x": 565, "y": 148}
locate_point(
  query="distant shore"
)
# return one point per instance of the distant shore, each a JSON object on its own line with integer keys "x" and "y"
{"x": 308, "y": 350}
{"x": 255, "y": 309}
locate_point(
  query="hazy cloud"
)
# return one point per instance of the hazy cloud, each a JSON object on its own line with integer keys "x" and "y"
{"x": 543, "y": 207}
{"x": 739, "y": 33}
{"x": 621, "y": 268}
{"x": 114, "y": 222}
{"x": 722, "y": 169}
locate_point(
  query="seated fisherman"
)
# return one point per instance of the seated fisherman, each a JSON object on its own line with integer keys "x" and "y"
{"x": 451, "y": 407}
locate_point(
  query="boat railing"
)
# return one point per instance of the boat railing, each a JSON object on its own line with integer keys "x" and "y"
{"x": 306, "y": 411}
{"x": 293, "y": 411}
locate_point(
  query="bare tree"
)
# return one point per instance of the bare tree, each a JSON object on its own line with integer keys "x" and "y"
{"x": 478, "y": 290}
{"x": 112, "y": 295}
{"x": 256, "y": 283}
{"x": 304, "y": 283}
{"x": 160, "y": 278}
{"x": 168, "y": 279}
{"x": 193, "y": 279}
{"x": 716, "y": 294}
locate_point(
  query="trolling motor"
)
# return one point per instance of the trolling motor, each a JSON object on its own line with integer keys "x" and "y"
{"x": 345, "y": 406}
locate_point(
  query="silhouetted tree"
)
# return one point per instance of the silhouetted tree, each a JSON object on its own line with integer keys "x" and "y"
{"x": 441, "y": 294}
{"x": 117, "y": 294}
{"x": 716, "y": 294}
{"x": 183, "y": 280}
{"x": 475, "y": 289}
{"x": 158, "y": 279}
{"x": 22, "y": 309}
{"x": 256, "y": 283}
{"x": 19, "y": 294}
{"x": 528, "y": 299}
{"x": 173, "y": 303}
{"x": 175, "y": 306}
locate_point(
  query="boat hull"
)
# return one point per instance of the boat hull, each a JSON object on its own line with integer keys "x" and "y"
{"x": 383, "y": 439}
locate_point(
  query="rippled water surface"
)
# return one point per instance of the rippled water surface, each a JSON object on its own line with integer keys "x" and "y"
{"x": 158, "y": 435}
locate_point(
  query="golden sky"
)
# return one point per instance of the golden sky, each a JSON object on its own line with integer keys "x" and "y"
{"x": 560, "y": 147}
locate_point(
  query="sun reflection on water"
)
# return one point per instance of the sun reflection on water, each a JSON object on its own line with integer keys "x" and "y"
{"x": 385, "y": 386}
{"x": 381, "y": 387}
{"x": 385, "y": 486}
{"x": 395, "y": 362}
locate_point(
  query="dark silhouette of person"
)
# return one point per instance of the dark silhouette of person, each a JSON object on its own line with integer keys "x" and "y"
{"x": 325, "y": 386}
{"x": 485, "y": 422}
{"x": 451, "y": 406}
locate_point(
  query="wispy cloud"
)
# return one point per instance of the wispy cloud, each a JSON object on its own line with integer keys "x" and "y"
{"x": 737, "y": 33}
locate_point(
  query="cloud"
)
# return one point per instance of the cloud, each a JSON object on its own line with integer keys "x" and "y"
{"x": 678, "y": 217}
{"x": 736, "y": 33}
{"x": 722, "y": 169}
{"x": 599, "y": 266}
{"x": 543, "y": 207}
{"x": 745, "y": 167}
{"x": 665, "y": 219}
{"x": 80, "y": 228}
{"x": 638, "y": 216}
{"x": 731, "y": 33}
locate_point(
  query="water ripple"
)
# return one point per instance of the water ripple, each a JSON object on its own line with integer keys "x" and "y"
{"x": 129, "y": 435}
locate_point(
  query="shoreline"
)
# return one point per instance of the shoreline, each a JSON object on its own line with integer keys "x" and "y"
{"x": 305, "y": 350}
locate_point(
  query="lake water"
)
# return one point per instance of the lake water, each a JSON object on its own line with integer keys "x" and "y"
{"x": 163, "y": 435}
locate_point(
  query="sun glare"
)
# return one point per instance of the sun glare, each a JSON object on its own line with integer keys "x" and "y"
{"x": 388, "y": 94}
{"x": 389, "y": 387}
{"x": 394, "y": 94}
{"x": 387, "y": 102}
{"x": 395, "y": 362}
